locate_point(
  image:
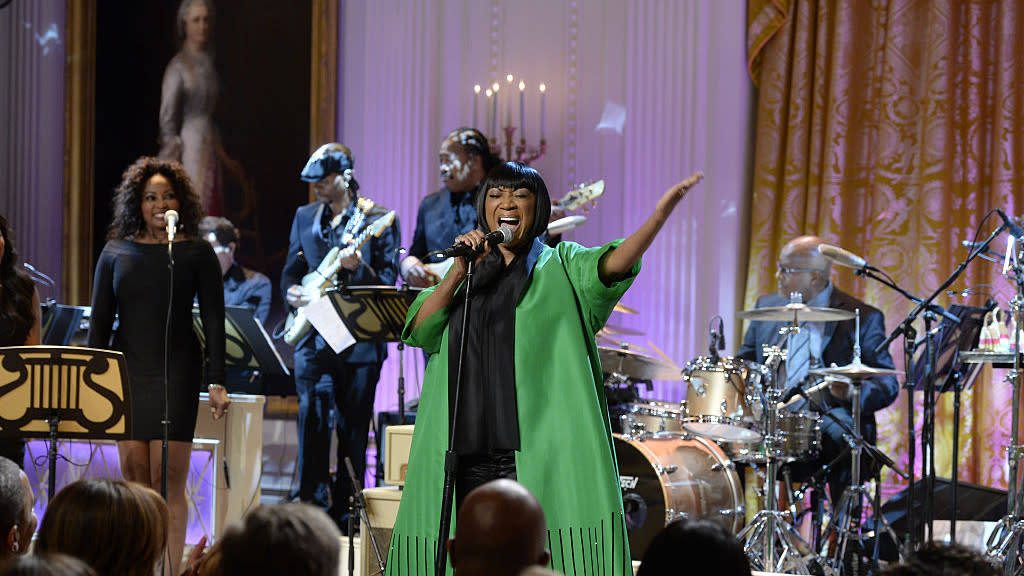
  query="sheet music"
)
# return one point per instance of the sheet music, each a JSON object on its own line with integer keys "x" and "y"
{"x": 322, "y": 316}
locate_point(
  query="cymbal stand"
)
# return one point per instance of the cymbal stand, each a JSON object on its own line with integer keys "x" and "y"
{"x": 770, "y": 542}
{"x": 1007, "y": 540}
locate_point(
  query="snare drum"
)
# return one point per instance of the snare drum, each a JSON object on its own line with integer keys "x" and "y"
{"x": 723, "y": 401}
{"x": 665, "y": 477}
{"x": 646, "y": 417}
{"x": 798, "y": 437}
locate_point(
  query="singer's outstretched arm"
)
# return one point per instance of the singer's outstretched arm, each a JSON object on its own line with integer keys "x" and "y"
{"x": 617, "y": 263}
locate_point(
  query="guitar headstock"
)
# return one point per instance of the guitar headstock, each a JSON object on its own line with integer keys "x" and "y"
{"x": 381, "y": 224}
{"x": 581, "y": 195}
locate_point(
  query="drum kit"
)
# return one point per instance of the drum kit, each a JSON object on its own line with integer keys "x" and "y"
{"x": 681, "y": 458}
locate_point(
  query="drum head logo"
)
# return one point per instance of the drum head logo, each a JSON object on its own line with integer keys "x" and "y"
{"x": 628, "y": 482}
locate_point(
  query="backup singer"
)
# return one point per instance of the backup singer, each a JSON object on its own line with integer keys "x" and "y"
{"x": 324, "y": 379}
{"x": 532, "y": 404}
{"x": 803, "y": 269}
{"x": 133, "y": 281}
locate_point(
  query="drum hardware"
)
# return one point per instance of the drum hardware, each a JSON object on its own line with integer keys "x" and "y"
{"x": 846, "y": 521}
{"x": 771, "y": 543}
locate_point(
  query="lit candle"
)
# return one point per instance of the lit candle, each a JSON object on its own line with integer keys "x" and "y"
{"x": 522, "y": 109}
{"x": 494, "y": 111}
{"x": 508, "y": 101}
{"x": 476, "y": 99}
{"x": 487, "y": 112}
{"x": 543, "y": 89}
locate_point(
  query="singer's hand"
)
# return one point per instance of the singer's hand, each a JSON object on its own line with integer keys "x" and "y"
{"x": 219, "y": 401}
{"x": 474, "y": 238}
{"x": 673, "y": 195}
{"x": 296, "y": 296}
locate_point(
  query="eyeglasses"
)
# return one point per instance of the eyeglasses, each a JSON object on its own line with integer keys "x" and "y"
{"x": 789, "y": 271}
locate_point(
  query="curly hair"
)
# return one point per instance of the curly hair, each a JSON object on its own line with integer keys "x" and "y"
{"x": 935, "y": 558}
{"x": 17, "y": 314}
{"x": 127, "y": 202}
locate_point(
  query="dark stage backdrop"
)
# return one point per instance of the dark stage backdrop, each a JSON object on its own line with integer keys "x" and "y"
{"x": 262, "y": 59}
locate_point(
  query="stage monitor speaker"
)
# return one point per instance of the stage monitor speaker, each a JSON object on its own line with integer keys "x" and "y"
{"x": 975, "y": 502}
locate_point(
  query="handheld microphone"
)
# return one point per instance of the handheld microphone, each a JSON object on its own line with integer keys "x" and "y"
{"x": 503, "y": 235}
{"x": 844, "y": 257}
{"x": 171, "y": 219}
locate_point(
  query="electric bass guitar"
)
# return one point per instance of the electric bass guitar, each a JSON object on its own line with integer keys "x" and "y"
{"x": 316, "y": 283}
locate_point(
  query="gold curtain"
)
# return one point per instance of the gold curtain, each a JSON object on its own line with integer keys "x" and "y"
{"x": 891, "y": 128}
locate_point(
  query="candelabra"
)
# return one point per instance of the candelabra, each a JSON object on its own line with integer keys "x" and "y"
{"x": 521, "y": 152}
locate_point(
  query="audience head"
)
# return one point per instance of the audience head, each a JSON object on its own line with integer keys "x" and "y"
{"x": 129, "y": 219}
{"x": 515, "y": 176}
{"x": 223, "y": 236}
{"x": 802, "y": 268}
{"x": 17, "y": 515}
{"x": 705, "y": 547}
{"x": 465, "y": 159}
{"x": 117, "y": 527}
{"x": 46, "y": 565}
{"x": 500, "y": 530}
{"x": 936, "y": 559}
{"x": 294, "y": 539}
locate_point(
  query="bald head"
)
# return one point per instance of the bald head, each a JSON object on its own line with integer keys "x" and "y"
{"x": 500, "y": 530}
{"x": 802, "y": 268}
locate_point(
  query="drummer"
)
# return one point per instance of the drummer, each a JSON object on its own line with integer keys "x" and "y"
{"x": 802, "y": 269}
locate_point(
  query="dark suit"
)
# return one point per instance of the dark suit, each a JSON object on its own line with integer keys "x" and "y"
{"x": 346, "y": 381}
{"x": 837, "y": 347}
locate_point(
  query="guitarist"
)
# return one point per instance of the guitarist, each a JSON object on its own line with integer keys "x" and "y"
{"x": 323, "y": 379}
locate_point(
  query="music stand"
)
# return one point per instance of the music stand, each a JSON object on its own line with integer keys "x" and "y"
{"x": 377, "y": 314}
{"x": 950, "y": 340}
{"x": 71, "y": 392}
{"x": 60, "y": 323}
{"x": 247, "y": 346}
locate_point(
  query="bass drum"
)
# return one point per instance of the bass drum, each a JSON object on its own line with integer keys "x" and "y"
{"x": 665, "y": 477}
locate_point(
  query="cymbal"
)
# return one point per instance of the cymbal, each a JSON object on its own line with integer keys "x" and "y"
{"x": 566, "y": 224}
{"x": 613, "y": 329}
{"x": 620, "y": 307}
{"x": 637, "y": 365}
{"x": 612, "y": 342}
{"x": 796, "y": 312}
{"x": 854, "y": 371}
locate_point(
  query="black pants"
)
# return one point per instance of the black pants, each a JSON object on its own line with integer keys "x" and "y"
{"x": 478, "y": 469}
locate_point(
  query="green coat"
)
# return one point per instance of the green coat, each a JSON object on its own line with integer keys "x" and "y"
{"x": 566, "y": 455}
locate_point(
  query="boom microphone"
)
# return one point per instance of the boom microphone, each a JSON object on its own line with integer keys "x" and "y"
{"x": 503, "y": 235}
{"x": 844, "y": 257}
{"x": 171, "y": 219}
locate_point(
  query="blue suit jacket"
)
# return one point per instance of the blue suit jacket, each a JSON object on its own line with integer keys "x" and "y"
{"x": 837, "y": 340}
{"x": 378, "y": 267}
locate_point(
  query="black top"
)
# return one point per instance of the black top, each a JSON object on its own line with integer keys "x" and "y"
{"x": 132, "y": 280}
{"x": 488, "y": 417}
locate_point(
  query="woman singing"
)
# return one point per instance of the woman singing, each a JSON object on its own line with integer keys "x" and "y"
{"x": 531, "y": 405}
{"x": 133, "y": 280}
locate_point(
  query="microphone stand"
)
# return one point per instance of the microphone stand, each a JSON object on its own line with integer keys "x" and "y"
{"x": 910, "y": 335}
{"x": 450, "y": 457}
{"x": 165, "y": 423}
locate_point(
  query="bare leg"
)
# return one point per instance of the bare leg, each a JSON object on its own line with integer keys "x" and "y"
{"x": 178, "y": 454}
{"x": 135, "y": 467}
